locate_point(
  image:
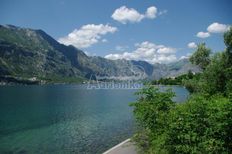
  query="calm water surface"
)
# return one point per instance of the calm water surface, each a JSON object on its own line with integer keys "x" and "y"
{"x": 65, "y": 118}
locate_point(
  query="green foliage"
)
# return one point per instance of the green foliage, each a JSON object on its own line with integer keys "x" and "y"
{"x": 201, "y": 56}
{"x": 217, "y": 75}
{"x": 214, "y": 76}
{"x": 193, "y": 84}
{"x": 151, "y": 111}
{"x": 228, "y": 61}
{"x": 151, "y": 106}
{"x": 190, "y": 81}
{"x": 200, "y": 125}
{"x": 175, "y": 80}
{"x": 228, "y": 40}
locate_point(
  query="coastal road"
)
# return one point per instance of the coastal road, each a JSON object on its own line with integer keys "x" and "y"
{"x": 125, "y": 147}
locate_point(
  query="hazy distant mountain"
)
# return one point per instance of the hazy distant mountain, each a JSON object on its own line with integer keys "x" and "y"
{"x": 33, "y": 53}
{"x": 181, "y": 67}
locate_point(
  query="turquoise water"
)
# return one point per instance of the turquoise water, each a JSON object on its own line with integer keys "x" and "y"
{"x": 65, "y": 118}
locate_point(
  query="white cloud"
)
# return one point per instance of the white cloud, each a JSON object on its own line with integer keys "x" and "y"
{"x": 151, "y": 12}
{"x": 149, "y": 52}
{"x": 187, "y": 56}
{"x": 192, "y": 45}
{"x": 214, "y": 28}
{"x": 87, "y": 35}
{"x": 126, "y": 15}
{"x": 218, "y": 28}
{"x": 166, "y": 50}
{"x": 203, "y": 34}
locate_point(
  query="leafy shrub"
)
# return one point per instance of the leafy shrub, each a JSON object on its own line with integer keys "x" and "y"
{"x": 151, "y": 111}
{"x": 152, "y": 106}
{"x": 201, "y": 125}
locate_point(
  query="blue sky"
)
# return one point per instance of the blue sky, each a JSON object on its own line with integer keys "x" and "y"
{"x": 161, "y": 36}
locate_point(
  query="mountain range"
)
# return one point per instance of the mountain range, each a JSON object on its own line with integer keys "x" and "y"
{"x": 32, "y": 54}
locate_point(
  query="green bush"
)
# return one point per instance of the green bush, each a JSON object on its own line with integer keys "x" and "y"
{"x": 151, "y": 110}
{"x": 214, "y": 76}
{"x": 152, "y": 106}
{"x": 179, "y": 80}
{"x": 201, "y": 125}
{"x": 193, "y": 84}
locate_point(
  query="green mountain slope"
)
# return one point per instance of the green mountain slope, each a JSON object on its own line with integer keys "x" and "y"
{"x": 26, "y": 53}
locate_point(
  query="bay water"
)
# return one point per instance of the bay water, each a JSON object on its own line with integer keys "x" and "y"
{"x": 66, "y": 118}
